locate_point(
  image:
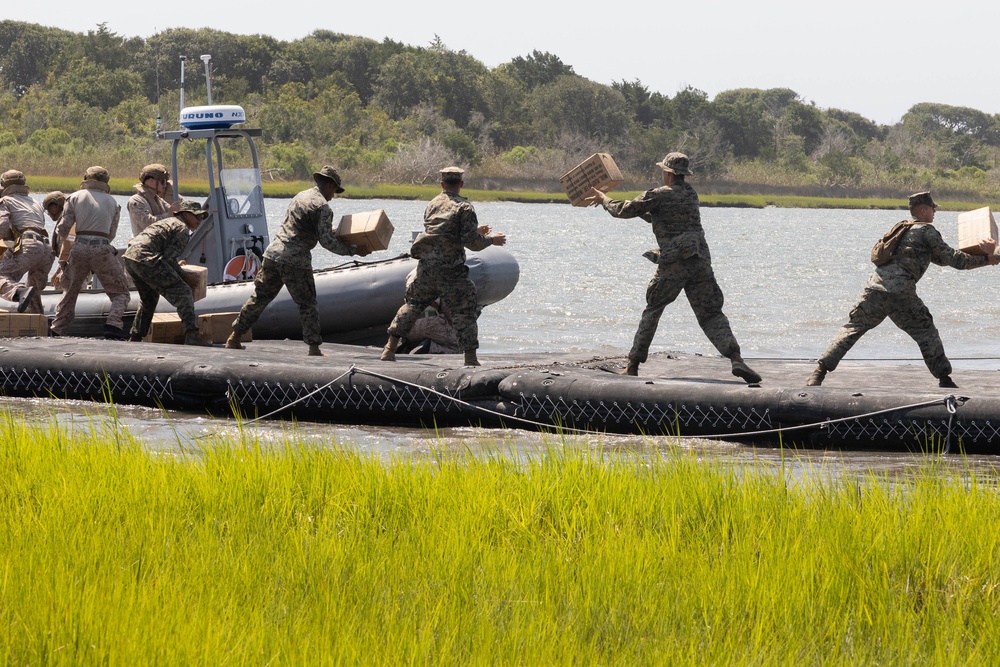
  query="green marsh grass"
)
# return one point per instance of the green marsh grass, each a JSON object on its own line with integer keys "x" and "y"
{"x": 287, "y": 189}
{"x": 246, "y": 553}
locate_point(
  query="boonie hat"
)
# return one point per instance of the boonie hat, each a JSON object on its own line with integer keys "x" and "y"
{"x": 920, "y": 198}
{"x": 452, "y": 174}
{"x": 155, "y": 170}
{"x": 11, "y": 177}
{"x": 330, "y": 174}
{"x": 56, "y": 197}
{"x": 676, "y": 163}
{"x": 193, "y": 207}
{"x": 97, "y": 174}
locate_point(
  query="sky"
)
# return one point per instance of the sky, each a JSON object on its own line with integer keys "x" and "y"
{"x": 874, "y": 58}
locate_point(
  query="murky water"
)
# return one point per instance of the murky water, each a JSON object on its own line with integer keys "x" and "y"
{"x": 790, "y": 277}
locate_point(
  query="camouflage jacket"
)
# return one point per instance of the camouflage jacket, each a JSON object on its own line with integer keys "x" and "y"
{"x": 308, "y": 221}
{"x": 450, "y": 226}
{"x": 92, "y": 210}
{"x": 675, "y": 214}
{"x": 919, "y": 246}
{"x": 19, "y": 213}
{"x": 162, "y": 241}
{"x": 145, "y": 208}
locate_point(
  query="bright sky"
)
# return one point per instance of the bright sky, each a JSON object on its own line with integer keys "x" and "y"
{"x": 873, "y": 57}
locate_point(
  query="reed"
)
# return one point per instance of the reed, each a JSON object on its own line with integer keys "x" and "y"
{"x": 246, "y": 552}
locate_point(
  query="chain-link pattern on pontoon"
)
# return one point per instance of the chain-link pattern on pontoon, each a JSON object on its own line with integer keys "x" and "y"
{"x": 669, "y": 415}
{"x": 356, "y": 396}
{"x": 94, "y": 386}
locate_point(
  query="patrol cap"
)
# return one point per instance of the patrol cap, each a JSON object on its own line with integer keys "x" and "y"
{"x": 452, "y": 174}
{"x": 57, "y": 198}
{"x": 155, "y": 170}
{"x": 97, "y": 174}
{"x": 920, "y": 198}
{"x": 193, "y": 207}
{"x": 330, "y": 174}
{"x": 676, "y": 163}
{"x": 11, "y": 177}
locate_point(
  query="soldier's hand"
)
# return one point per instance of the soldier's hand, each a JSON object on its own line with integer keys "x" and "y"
{"x": 499, "y": 239}
{"x": 988, "y": 246}
{"x": 362, "y": 252}
{"x": 994, "y": 259}
{"x": 595, "y": 198}
{"x": 484, "y": 230}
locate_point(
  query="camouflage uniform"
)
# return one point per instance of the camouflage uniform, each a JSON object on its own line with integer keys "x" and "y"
{"x": 685, "y": 264}
{"x": 152, "y": 261}
{"x": 450, "y": 226}
{"x": 288, "y": 262}
{"x": 22, "y": 220}
{"x": 145, "y": 208}
{"x": 892, "y": 292}
{"x": 95, "y": 213}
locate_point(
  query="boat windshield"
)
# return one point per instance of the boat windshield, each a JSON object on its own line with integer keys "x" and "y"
{"x": 242, "y": 192}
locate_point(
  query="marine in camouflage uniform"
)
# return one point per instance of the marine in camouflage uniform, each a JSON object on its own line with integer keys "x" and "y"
{"x": 147, "y": 205}
{"x": 683, "y": 264}
{"x": 95, "y": 213}
{"x": 22, "y": 221}
{"x": 450, "y": 226}
{"x": 152, "y": 261}
{"x": 288, "y": 260}
{"x": 892, "y": 292}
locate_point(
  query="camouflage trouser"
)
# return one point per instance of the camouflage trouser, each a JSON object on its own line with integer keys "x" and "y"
{"x": 695, "y": 277}
{"x": 34, "y": 258}
{"x": 267, "y": 283}
{"x": 907, "y": 312}
{"x": 152, "y": 281}
{"x": 457, "y": 292}
{"x": 100, "y": 258}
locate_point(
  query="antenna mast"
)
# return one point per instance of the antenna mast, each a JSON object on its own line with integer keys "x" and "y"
{"x": 207, "y": 59}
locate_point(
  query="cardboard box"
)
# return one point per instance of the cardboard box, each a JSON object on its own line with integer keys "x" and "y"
{"x": 370, "y": 229}
{"x": 217, "y": 327}
{"x": 973, "y": 227}
{"x": 598, "y": 171}
{"x": 165, "y": 328}
{"x": 18, "y": 325}
{"x": 197, "y": 277}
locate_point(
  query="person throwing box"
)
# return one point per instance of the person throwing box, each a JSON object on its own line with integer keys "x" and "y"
{"x": 152, "y": 261}
{"x": 450, "y": 226}
{"x": 892, "y": 292}
{"x": 288, "y": 260}
{"x": 683, "y": 264}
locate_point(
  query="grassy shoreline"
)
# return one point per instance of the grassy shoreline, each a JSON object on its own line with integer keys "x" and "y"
{"x": 285, "y": 189}
{"x": 294, "y": 554}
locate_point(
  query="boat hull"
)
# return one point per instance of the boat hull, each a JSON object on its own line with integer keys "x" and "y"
{"x": 356, "y": 301}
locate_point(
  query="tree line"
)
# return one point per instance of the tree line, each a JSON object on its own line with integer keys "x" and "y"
{"x": 387, "y": 111}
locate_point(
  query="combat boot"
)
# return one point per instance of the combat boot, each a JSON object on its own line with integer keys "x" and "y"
{"x": 389, "y": 351}
{"x": 817, "y": 377}
{"x": 314, "y": 351}
{"x": 470, "y": 358}
{"x": 23, "y": 297}
{"x": 112, "y": 332}
{"x": 194, "y": 338}
{"x": 233, "y": 342}
{"x": 631, "y": 369}
{"x": 744, "y": 372}
{"x": 946, "y": 382}
{"x": 134, "y": 338}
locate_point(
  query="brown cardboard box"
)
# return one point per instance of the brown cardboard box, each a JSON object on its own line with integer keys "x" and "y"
{"x": 973, "y": 227}
{"x": 216, "y": 327}
{"x": 165, "y": 328}
{"x": 197, "y": 277}
{"x": 17, "y": 325}
{"x": 370, "y": 229}
{"x": 598, "y": 171}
